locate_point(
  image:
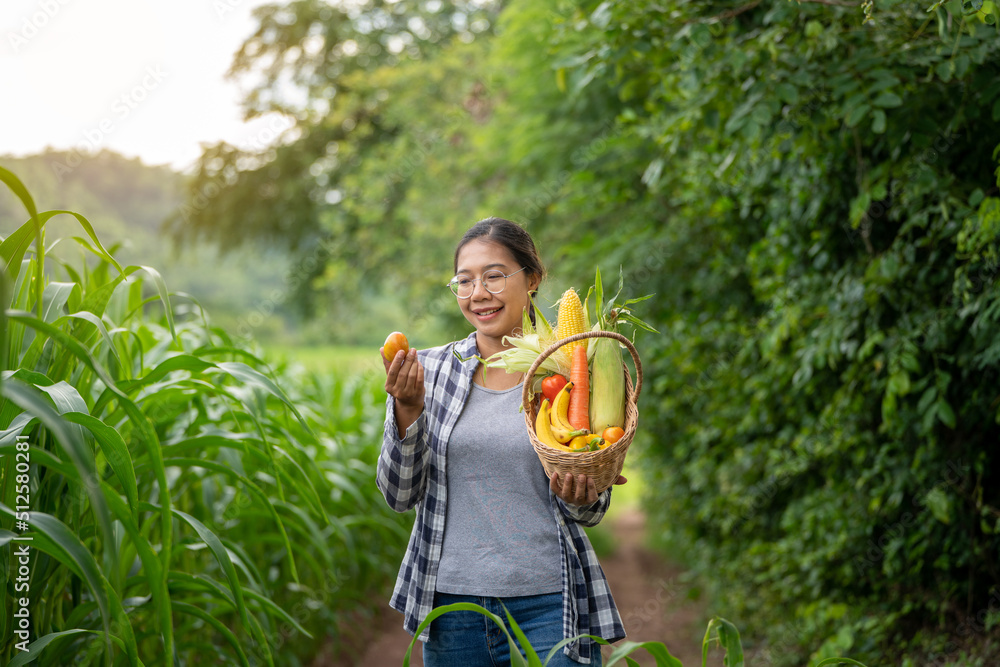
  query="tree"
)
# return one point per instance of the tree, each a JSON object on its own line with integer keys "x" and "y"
{"x": 335, "y": 190}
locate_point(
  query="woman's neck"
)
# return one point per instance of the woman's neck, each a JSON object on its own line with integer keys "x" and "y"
{"x": 498, "y": 377}
{"x": 488, "y": 346}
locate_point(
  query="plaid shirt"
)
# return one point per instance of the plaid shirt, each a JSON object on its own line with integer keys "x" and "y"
{"x": 412, "y": 473}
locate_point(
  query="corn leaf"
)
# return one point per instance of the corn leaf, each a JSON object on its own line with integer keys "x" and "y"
{"x": 74, "y": 346}
{"x": 115, "y": 451}
{"x": 71, "y": 441}
{"x": 529, "y": 651}
{"x": 57, "y": 297}
{"x": 161, "y": 289}
{"x": 35, "y": 648}
{"x": 218, "y": 626}
{"x": 725, "y": 633}
{"x": 223, "y": 469}
{"x": 93, "y": 319}
{"x": 254, "y": 378}
{"x": 153, "y": 571}
{"x": 268, "y": 605}
{"x": 221, "y": 556}
{"x": 515, "y": 654}
{"x": 52, "y": 536}
{"x": 14, "y": 247}
{"x": 658, "y": 650}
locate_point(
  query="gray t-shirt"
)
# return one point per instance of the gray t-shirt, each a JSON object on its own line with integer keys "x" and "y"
{"x": 500, "y": 537}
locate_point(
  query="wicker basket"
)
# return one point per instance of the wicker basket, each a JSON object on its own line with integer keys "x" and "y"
{"x": 604, "y": 465}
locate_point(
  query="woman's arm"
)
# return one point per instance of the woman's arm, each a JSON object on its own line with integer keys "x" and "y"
{"x": 400, "y": 473}
{"x": 402, "y": 461}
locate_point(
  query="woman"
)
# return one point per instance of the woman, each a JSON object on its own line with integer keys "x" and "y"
{"x": 490, "y": 527}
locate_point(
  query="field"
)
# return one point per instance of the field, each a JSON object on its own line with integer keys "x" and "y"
{"x": 340, "y": 360}
{"x": 158, "y": 474}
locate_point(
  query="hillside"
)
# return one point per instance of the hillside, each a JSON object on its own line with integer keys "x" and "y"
{"x": 127, "y": 202}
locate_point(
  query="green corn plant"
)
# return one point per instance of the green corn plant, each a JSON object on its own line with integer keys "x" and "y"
{"x": 171, "y": 472}
{"x": 719, "y": 632}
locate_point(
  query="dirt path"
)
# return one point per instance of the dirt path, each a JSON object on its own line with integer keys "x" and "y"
{"x": 651, "y": 596}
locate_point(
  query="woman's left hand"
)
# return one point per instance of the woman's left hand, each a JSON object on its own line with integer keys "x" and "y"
{"x": 576, "y": 489}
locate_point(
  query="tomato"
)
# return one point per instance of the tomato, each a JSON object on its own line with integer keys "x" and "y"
{"x": 551, "y": 386}
{"x": 613, "y": 434}
{"x": 394, "y": 343}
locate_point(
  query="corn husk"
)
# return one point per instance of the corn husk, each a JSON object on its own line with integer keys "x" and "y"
{"x": 527, "y": 346}
{"x": 607, "y": 385}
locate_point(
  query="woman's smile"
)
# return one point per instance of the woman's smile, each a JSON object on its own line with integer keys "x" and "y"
{"x": 485, "y": 314}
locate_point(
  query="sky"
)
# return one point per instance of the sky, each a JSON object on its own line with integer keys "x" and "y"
{"x": 144, "y": 78}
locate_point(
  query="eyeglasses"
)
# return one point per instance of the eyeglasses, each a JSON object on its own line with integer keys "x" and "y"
{"x": 493, "y": 281}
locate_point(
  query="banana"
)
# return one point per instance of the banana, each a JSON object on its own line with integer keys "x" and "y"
{"x": 558, "y": 414}
{"x": 563, "y": 435}
{"x": 560, "y": 408}
{"x": 552, "y": 426}
{"x": 543, "y": 427}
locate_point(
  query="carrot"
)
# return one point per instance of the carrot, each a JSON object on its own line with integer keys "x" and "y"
{"x": 579, "y": 395}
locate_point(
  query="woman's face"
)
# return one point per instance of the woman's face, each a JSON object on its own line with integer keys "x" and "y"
{"x": 493, "y": 315}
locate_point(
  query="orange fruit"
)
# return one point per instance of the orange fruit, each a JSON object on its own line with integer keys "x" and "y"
{"x": 613, "y": 434}
{"x": 395, "y": 342}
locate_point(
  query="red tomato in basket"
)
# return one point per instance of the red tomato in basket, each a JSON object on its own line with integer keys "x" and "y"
{"x": 551, "y": 386}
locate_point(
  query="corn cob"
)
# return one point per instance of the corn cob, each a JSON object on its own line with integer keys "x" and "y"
{"x": 569, "y": 321}
{"x": 607, "y": 398}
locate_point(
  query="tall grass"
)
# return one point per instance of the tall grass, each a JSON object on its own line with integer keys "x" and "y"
{"x": 189, "y": 504}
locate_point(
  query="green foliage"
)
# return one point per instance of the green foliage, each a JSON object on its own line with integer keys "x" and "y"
{"x": 825, "y": 393}
{"x": 523, "y": 653}
{"x": 124, "y": 193}
{"x": 810, "y": 191}
{"x": 719, "y": 632}
{"x": 169, "y": 471}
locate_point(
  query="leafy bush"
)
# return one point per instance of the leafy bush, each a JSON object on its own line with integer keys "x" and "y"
{"x": 821, "y": 201}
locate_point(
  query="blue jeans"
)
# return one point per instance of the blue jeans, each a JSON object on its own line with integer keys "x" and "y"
{"x": 469, "y": 639}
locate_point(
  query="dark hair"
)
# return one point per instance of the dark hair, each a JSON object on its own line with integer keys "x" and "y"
{"x": 511, "y": 236}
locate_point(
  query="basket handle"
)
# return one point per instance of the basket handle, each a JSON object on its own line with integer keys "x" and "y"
{"x": 546, "y": 353}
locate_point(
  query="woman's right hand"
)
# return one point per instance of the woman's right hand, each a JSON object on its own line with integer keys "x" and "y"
{"x": 404, "y": 380}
